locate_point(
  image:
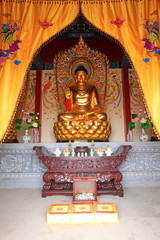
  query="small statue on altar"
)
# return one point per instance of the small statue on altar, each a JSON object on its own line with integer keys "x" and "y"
{"x": 57, "y": 152}
{"x": 73, "y": 152}
{"x": 109, "y": 151}
{"x": 92, "y": 152}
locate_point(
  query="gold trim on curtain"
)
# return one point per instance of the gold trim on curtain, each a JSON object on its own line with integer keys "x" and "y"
{"x": 135, "y": 14}
{"x": 106, "y": 1}
{"x": 27, "y": 15}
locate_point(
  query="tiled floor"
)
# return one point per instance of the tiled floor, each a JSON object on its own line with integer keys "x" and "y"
{"x": 23, "y": 217}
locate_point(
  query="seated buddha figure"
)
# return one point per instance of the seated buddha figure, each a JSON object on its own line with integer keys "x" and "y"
{"x": 82, "y": 100}
{"x": 83, "y": 117}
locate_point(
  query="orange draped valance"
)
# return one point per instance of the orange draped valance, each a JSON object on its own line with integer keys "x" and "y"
{"x": 37, "y": 21}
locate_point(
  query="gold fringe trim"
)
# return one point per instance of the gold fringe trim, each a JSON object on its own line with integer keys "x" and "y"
{"x": 106, "y": 1}
{"x": 136, "y": 74}
{"x": 70, "y": 1}
{"x": 44, "y": 1}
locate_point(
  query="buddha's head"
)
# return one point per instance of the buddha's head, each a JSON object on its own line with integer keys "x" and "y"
{"x": 81, "y": 75}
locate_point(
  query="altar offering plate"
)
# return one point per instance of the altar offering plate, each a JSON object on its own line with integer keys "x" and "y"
{"x": 66, "y": 152}
{"x": 100, "y": 152}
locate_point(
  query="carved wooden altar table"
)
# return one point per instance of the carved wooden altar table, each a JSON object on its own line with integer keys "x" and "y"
{"x": 60, "y": 172}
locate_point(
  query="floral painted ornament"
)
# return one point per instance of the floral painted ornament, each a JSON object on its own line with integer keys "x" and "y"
{"x": 44, "y": 24}
{"x": 151, "y": 38}
{"x": 146, "y": 60}
{"x": 10, "y": 37}
{"x": 118, "y": 22}
{"x": 8, "y": 30}
{"x": 17, "y": 62}
{"x": 153, "y": 30}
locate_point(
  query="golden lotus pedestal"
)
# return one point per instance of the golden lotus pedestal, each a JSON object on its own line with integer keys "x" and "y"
{"x": 87, "y": 130}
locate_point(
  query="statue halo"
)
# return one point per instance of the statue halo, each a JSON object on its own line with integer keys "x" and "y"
{"x": 81, "y": 62}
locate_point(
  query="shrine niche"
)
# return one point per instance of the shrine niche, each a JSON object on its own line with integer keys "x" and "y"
{"x": 81, "y": 76}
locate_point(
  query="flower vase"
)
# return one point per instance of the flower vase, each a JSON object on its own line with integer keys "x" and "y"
{"x": 26, "y": 138}
{"x": 36, "y": 135}
{"x": 143, "y": 136}
{"x": 130, "y": 136}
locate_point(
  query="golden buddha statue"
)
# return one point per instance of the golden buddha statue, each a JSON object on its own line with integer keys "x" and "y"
{"x": 82, "y": 100}
{"x": 83, "y": 118}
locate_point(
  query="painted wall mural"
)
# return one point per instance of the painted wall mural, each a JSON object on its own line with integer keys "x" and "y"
{"x": 48, "y": 96}
{"x": 114, "y": 88}
{"x": 9, "y": 34}
{"x": 49, "y": 106}
{"x": 31, "y": 92}
{"x": 115, "y": 105}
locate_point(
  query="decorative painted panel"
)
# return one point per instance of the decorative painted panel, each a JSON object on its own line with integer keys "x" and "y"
{"x": 49, "y": 106}
{"x": 115, "y": 105}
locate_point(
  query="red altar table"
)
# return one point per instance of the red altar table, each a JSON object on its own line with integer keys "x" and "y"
{"x": 60, "y": 172}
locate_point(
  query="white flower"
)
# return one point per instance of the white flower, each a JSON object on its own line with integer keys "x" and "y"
{"x": 35, "y": 124}
{"x": 143, "y": 120}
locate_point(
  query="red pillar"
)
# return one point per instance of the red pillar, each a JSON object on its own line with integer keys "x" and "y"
{"x": 38, "y": 96}
{"x": 126, "y": 100}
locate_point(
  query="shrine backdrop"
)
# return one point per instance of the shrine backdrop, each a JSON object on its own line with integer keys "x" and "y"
{"x": 115, "y": 104}
{"x": 26, "y": 25}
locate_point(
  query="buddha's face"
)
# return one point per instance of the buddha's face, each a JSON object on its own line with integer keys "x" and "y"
{"x": 81, "y": 77}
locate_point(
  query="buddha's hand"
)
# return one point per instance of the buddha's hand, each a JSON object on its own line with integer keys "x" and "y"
{"x": 68, "y": 93}
{"x": 97, "y": 109}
